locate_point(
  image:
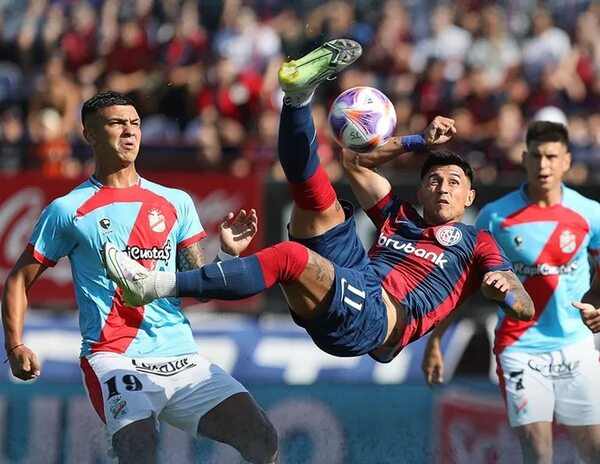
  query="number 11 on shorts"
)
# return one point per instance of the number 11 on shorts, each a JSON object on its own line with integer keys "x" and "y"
{"x": 356, "y": 294}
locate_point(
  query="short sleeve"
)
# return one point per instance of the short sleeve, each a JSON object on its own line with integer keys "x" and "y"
{"x": 484, "y": 219}
{"x": 51, "y": 238}
{"x": 594, "y": 244}
{"x": 488, "y": 254}
{"x": 190, "y": 227}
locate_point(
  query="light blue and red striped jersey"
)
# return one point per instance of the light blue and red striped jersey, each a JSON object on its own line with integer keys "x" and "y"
{"x": 430, "y": 270}
{"x": 151, "y": 223}
{"x": 549, "y": 249}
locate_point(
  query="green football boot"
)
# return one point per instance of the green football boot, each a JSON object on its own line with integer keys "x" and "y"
{"x": 299, "y": 78}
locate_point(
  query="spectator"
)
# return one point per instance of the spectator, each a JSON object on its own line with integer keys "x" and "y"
{"x": 249, "y": 45}
{"x": 54, "y": 90}
{"x": 496, "y": 53}
{"x": 13, "y": 141}
{"x": 545, "y": 50}
{"x": 79, "y": 40}
{"x": 448, "y": 44}
{"x": 209, "y": 67}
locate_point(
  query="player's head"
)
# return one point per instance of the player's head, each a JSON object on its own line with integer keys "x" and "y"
{"x": 547, "y": 157}
{"x": 446, "y": 187}
{"x": 111, "y": 125}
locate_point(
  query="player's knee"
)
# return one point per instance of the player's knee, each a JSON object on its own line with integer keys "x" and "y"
{"x": 136, "y": 442}
{"x": 263, "y": 448}
{"x": 594, "y": 451}
{"x": 283, "y": 262}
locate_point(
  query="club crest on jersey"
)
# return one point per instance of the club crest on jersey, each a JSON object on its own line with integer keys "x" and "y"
{"x": 156, "y": 221}
{"x": 105, "y": 226}
{"x": 448, "y": 235}
{"x": 567, "y": 241}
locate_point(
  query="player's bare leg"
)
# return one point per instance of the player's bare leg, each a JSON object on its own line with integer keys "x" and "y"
{"x": 312, "y": 292}
{"x": 137, "y": 443}
{"x": 587, "y": 438}
{"x": 316, "y": 209}
{"x": 241, "y": 423}
{"x": 536, "y": 442}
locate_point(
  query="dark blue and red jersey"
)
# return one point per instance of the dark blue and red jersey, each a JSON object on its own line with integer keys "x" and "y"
{"x": 430, "y": 270}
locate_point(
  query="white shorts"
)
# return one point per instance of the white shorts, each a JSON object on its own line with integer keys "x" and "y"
{"x": 561, "y": 385}
{"x": 178, "y": 390}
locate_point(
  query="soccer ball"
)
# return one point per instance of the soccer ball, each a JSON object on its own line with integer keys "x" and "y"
{"x": 362, "y": 118}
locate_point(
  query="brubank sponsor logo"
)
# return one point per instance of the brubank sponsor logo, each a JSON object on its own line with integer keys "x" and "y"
{"x": 544, "y": 269}
{"x": 154, "y": 253}
{"x": 409, "y": 248}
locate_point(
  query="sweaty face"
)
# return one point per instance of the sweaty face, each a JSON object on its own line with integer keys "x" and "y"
{"x": 546, "y": 163}
{"x": 115, "y": 134}
{"x": 444, "y": 193}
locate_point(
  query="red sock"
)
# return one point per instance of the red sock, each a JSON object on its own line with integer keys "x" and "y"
{"x": 282, "y": 263}
{"x": 315, "y": 193}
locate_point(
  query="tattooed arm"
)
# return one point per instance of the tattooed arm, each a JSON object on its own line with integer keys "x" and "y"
{"x": 190, "y": 257}
{"x": 505, "y": 288}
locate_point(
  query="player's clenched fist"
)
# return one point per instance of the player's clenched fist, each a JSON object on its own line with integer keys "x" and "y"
{"x": 440, "y": 130}
{"x": 24, "y": 363}
{"x": 589, "y": 315}
{"x": 495, "y": 286}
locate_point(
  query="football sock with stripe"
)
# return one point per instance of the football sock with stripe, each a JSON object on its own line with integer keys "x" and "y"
{"x": 240, "y": 278}
{"x": 297, "y": 146}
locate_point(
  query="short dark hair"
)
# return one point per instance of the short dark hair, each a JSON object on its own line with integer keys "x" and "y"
{"x": 547, "y": 131}
{"x": 103, "y": 100}
{"x": 446, "y": 158}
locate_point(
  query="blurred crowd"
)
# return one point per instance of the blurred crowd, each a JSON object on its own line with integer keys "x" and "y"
{"x": 204, "y": 76}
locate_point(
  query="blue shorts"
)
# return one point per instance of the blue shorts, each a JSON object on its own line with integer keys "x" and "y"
{"x": 356, "y": 321}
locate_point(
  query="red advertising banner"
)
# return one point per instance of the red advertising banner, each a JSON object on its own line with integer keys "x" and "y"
{"x": 22, "y": 199}
{"x": 473, "y": 427}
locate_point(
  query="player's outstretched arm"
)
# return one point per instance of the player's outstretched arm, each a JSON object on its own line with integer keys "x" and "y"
{"x": 505, "y": 288}
{"x": 589, "y": 306}
{"x": 367, "y": 184}
{"x": 24, "y": 363}
{"x": 237, "y": 231}
{"x": 439, "y": 131}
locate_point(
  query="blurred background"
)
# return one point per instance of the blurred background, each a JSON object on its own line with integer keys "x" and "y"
{"x": 203, "y": 75}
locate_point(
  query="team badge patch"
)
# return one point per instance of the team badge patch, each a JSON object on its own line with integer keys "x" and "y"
{"x": 156, "y": 221}
{"x": 448, "y": 235}
{"x": 118, "y": 406}
{"x": 520, "y": 406}
{"x": 567, "y": 241}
